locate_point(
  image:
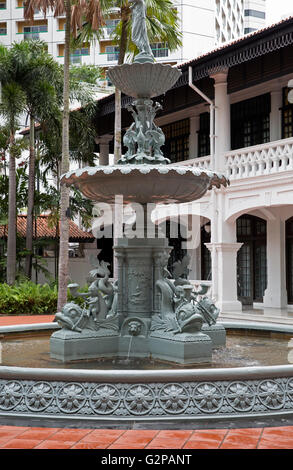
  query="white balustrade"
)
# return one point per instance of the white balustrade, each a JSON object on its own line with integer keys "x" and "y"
{"x": 201, "y": 162}
{"x": 263, "y": 159}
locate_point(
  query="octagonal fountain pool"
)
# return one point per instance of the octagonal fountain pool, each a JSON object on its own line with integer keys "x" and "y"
{"x": 249, "y": 379}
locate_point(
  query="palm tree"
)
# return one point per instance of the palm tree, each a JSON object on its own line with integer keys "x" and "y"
{"x": 40, "y": 77}
{"x": 13, "y": 101}
{"x": 76, "y": 11}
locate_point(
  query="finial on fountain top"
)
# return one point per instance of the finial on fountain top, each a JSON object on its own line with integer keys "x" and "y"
{"x": 139, "y": 32}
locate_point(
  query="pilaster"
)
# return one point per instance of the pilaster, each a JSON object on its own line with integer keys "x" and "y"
{"x": 226, "y": 274}
{"x": 193, "y": 137}
{"x": 222, "y": 118}
{"x": 275, "y": 116}
{"x": 103, "y": 142}
{"x": 276, "y": 294}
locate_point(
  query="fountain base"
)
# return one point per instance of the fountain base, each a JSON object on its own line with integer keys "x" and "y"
{"x": 143, "y": 314}
{"x": 185, "y": 349}
{"x": 68, "y": 345}
{"x": 216, "y": 332}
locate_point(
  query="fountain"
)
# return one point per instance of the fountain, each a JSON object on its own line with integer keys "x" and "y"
{"x": 144, "y": 315}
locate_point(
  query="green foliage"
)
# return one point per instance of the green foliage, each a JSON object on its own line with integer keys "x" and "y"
{"x": 78, "y": 300}
{"x": 162, "y": 22}
{"x": 28, "y": 298}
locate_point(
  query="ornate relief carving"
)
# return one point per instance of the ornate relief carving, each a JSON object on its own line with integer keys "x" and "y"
{"x": 211, "y": 399}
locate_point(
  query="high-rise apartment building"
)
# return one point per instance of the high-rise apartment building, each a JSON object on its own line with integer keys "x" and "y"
{"x": 254, "y": 15}
{"x": 204, "y": 24}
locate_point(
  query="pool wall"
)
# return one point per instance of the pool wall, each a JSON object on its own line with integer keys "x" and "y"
{"x": 118, "y": 396}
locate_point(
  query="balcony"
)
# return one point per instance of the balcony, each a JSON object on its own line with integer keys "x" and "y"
{"x": 263, "y": 159}
{"x": 202, "y": 162}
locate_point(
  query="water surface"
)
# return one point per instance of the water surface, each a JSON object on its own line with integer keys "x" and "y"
{"x": 240, "y": 351}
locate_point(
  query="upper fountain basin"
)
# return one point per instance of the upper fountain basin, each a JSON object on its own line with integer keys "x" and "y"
{"x": 143, "y": 80}
{"x": 144, "y": 183}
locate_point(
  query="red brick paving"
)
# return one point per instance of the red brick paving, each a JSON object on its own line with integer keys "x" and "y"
{"x": 6, "y": 320}
{"x": 54, "y": 438}
{"x": 22, "y": 437}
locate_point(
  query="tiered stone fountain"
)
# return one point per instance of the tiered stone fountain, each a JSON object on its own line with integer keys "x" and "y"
{"x": 144, "y": 313}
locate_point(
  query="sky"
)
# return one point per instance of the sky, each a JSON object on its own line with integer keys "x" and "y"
{"x": 275, "y": 9}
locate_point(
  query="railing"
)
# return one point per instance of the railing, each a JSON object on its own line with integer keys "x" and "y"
{"x": 263, "y": 159}
{"x": 201, "y": 162}
{"x": 111, "y": 56}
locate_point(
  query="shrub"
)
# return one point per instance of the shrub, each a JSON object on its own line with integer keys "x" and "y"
{"x": 29, "y": 298}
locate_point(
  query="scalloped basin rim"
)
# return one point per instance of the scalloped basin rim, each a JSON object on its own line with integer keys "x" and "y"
{"x": 144, "y": 169}
{"x": 144, "y": 80}
{"x": 144, "y": 183}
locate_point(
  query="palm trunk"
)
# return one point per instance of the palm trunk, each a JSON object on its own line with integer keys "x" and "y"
{"x": 117, "y": 126}
{"x": 11, "y": 239}
{"x": 30, "y": 204}
{"x": 122, "y": 51}
{"x": 64, "y": 191}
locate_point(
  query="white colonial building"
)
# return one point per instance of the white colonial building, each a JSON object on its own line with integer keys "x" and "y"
{"x": 229, "y": 112}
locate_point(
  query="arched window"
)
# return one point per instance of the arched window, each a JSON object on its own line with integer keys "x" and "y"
{"x": 289, "y": 258}
{"x": 251, "y": 259}
{"x": 206, "y": 260}
{"x": 175, "y": 238}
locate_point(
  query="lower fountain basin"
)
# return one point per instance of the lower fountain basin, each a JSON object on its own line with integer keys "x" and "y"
{"x": 144, "y": 183}
{"x": 238, "y": 351}
{"x": 116, "y": 397}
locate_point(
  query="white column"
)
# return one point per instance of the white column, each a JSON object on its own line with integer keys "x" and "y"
{"x": 223, "y": 248}
{"x": 103, "y": 141}
{"x": 276, "y": 294}
{"x": 222, "y": 118}
{"x": 275, "y": 116}
{"x": 226, "y": 254}
{"x": 193, "y": 137}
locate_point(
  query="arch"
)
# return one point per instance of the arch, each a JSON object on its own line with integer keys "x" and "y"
{"x": 265, "y": 213}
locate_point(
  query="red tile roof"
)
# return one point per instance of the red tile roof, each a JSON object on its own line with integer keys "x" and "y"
{"x": 43, "y": 230}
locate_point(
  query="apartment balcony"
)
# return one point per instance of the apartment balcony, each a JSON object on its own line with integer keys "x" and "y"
{"x": 107, "y": 34}
{"x": 110, "y": 58}
{"x": 4, "y": 11}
